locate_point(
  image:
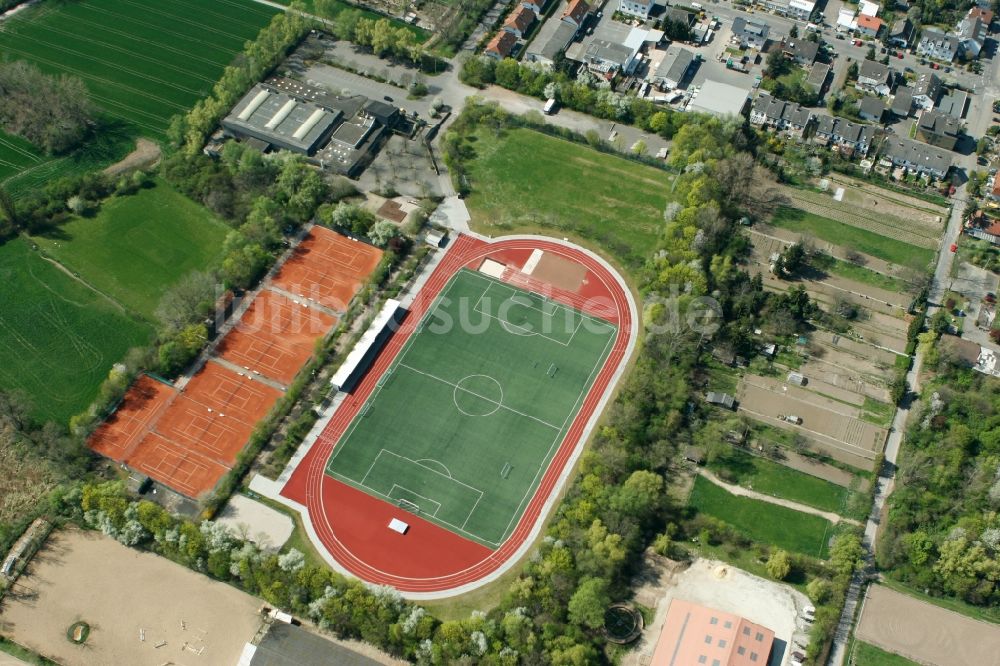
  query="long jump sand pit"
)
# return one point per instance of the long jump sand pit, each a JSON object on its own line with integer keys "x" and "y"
{"x": 125, "y": 596}
{"x": 328, "y": 268}
{"x": 925, "y": 633}
{"x": 275, "y": 336}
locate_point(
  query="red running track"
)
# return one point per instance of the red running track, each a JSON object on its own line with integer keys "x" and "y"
{"x": 352, "y": 524}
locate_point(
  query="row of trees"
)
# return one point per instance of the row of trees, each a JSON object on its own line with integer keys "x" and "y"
{"x": 51, "y": 112}
{"x": 260, "y": 56}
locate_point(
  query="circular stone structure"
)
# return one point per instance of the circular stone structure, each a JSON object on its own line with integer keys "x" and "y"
{"x": 349, "y": 526}
{"x": 622, "y": 624}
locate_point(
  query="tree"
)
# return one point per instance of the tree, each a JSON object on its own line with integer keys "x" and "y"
{"x": 846, "y": 553}
{"x": 10, "y": 221}
{"x": 818, "y": 590}
{"x": 794, "y": 32}
{"x": 871, "y": 53}
{"x": 777, "y": 64}
{"x": 588, "y": 603}
{"x": 382, "y": 232}
{"x": 53, "y": 112}
{"x": 189, "y": 301}
{"x": 778, "y": 565}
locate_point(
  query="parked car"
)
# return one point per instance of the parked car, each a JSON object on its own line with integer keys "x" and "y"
{"x": 934, "y": 65}
{"x": 858, "y": 42}
{"x": 899, "y": 55}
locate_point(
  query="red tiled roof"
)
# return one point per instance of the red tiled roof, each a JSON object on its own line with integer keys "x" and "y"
{"x": 995, "y": 190}
{"x": 520, "y": 19}
{"x": 577, "y": 10}
{"x": 994, "y": 228}
{"x": 869, "y": 22}
{"x": 986, "y": 15}
{"x": 502, "y": 43}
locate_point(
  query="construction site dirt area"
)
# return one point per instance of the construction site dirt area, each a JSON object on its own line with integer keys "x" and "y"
{"x": 328, "y": 268}
{"x": 142, "y": 609}
{"x": 275, "y": 336}
{"x": 142, "y": 405}
{"x": 923, "y": 632}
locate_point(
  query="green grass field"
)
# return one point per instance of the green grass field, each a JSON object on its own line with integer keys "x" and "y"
{"x": 340, "y": 6}
{"x": 58, "y": 338}
{"x": 142, "y": 63}
{"x": 465, "y": 421}
{"x": 861, "y": 240}
{"x": 526, "y": 181}
{"x": 139, "y": 246}
{"x": 775, "y": 479}
{"x": 764, "y": 523}
{"x": 849, "y": 271}
{"x": 866, "y": 654}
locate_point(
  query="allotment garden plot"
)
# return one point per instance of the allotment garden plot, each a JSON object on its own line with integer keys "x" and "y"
{"x": 462, "y": 426}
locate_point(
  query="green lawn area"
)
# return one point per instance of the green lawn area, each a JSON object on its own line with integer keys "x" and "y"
{"x": 525, "y": 181}
{"x": 866, "y": 654}
{"x": 468, "y": 417}
{"x": 141, "y": 62}
{"x": 762, "y": 522}
{"x": 849, "y": 271}
{"x": 139, "y": 246}
{"x": 861, "y": 240}
{"x": 878, "y": 412}
{"x": 58, "y": 338}
{"x": 771, "y": 478}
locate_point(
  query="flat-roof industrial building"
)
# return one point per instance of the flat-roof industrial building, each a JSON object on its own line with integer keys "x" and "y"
{"x": 338, "y": 133}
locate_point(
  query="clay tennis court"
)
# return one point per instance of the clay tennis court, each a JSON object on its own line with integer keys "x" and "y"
{"x": 141, "y": 406}
{"x": 328, "y": 268}
{"x": 196, "y": 440}
{"x": 923, "y": 632}
{"x": 276, "y": 335}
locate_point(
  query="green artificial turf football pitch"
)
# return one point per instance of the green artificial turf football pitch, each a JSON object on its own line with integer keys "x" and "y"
{"x": 462, "y": 426}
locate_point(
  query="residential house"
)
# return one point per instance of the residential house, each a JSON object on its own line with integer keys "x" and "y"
{"x": 501, "y": 45}
{"x": 917, "y": 156}
{"x": 802, "y": 51}
{"x": 875, "y": 77}
{"x": 868, "y": 8}
{"x": 608, "y": 58}
{"x": 537, "y": 6}
{"x": 797, "y": 9}
{"x": 679, "y": 15}
{"x": 994, "y": 190}
{"x": 954, "y": 103}
{"x": 984, "y": 14}
{"x": 640, "y": 8}
{"x": 871, "y": 109}
{"x": 939, "y": 129}
{"x": 768, "y": 111}
{"x": 801, "y": 9}
{"x": 844, "y": 135}
{"x": 519, "y": 21}
{"x": 818, "y": 76}
{"x": 972, "y": 34}
{"x": 551, "y": 40}
{"x": 869, "y": 25}
{"x": 575, "y": 13}
{"x": 673, "y": 68}
{"x": 926, "y": 90}
{"x": 750, "y": 33}
{"x": 936, "y": 44}
{"x": 902, "y": 102}
{"x": 900, "y": 34}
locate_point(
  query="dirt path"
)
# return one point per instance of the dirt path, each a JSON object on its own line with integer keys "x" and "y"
{"x": 74, "y": 276}
{"x": 146, "y": 154}
{"x": 740, "y": 491}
